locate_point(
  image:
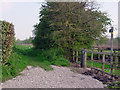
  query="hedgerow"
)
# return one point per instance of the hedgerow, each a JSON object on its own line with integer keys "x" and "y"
{"x": 7, "y": 33}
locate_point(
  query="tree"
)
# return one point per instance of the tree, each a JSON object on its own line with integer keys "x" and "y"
{"x": 18, "y": 41}
{"x": 27, "y": 41}
{"x": 70, "y": 25}
{"x": 102, "y": 41}
{"x": 42, "y": 39}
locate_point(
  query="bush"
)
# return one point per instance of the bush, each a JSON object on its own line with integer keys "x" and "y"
{"x": 7, "y": 31}
{"x": 15, "y": 64}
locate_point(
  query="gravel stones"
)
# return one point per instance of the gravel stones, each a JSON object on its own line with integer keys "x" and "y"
{"x": 60, "y": 77}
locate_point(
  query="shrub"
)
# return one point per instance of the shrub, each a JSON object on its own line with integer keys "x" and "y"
{"x": 7, "y": 31}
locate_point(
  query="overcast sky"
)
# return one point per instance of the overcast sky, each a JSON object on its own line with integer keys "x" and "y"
{"x": 26, "y": 14}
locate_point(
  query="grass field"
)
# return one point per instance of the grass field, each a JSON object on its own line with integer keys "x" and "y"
{"x": 96, "y": 55}
{"x": 22, "y": 56}
{"x": 99, "y": 65}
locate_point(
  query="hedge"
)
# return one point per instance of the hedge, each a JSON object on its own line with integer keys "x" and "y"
{"x": 7, "y": 33}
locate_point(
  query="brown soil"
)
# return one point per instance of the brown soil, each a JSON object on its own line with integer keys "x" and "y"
{"x": 96, "y": 75}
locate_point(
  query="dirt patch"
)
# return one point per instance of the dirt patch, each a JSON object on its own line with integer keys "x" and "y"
{"x": 105, "y": 79}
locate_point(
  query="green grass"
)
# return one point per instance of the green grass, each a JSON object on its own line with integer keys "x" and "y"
{"x": 22, "y": 56}
{"x": 16, "y": 63}
{"x": 99, "y": 65}
{"x": 96, "y": 64}
{"x": 96, "y": 55}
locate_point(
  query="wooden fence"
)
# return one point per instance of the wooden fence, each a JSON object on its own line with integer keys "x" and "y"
{"x": 82, "y": 57}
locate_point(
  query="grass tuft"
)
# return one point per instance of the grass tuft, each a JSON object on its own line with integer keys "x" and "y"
{"x": 22, "y": 56}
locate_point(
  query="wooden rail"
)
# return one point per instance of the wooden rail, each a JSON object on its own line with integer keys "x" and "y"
{"x": 83, "y": 58}
{"x": 98, "y": 52}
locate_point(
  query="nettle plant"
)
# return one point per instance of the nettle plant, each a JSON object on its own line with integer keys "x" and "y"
{"x": 7, "y": 32}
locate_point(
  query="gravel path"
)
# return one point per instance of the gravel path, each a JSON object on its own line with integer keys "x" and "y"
{"x": 60, "y": 77}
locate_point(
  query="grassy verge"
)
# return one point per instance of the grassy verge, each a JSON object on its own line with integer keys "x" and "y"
{"x": 22, "y": 56}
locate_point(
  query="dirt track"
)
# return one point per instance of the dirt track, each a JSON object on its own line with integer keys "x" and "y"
{"x": 60, "y": 77}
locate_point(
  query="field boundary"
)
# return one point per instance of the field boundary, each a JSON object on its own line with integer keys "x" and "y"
{"x": 82, "y": 57}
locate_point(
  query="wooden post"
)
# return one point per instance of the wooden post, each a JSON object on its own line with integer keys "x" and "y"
{"x": 73, "y": 55}
{"x": 77, "y": 56}
{"x": 91, "y": 59}
{"x": 103, "y": 61}
{"x": 111, "y": 52}
{"x": 98, "y": 54}
{"x": 82, "y": 57}
{"x": 85, "y": 61}
{"x": 116, "y": 65}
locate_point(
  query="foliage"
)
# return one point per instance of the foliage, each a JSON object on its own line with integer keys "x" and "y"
{"x": 116, "y": 41}
{"x": 102, "y": 41}
{"x": 106, "y": 41}
{"x": 22, "y": 56}
{"x": 16, "y": 63}
{"x": 42, "y": 32}
{"x": 26, "y": 41}
{"x": 69, "y": 25}
{"x": 7, "y": 30}
{"x": 18, "y": 41}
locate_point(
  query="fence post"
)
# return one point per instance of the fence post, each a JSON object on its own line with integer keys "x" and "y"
{"x": 98, "y": 54}
{"x": 92, "y": 59}
{"x": 111, "y": 31}
{"x": 77, "y": 56}
{"x": 73, "y": 55}
{"x": 103, "y": 61}
{"x": 85, "y": 61}
{"x": 82, "y": 57}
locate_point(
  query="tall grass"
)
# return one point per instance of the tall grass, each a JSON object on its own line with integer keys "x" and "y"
{"x": 16, "y": 63}
{"x": 22, "y": 56}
